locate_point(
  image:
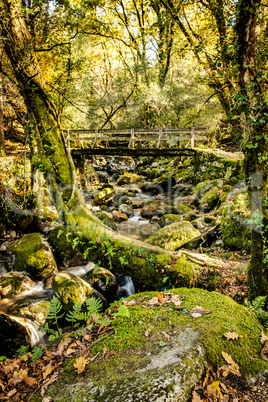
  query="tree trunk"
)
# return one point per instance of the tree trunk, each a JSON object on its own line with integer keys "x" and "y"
{"x": 2, "y": 134}
{"x": 111, "y": 249}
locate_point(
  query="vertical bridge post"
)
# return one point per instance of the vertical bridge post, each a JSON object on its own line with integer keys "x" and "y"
{"x": 159, "y": 137}
{"x": 94, "y": 143}
{"x": 192, "y": 137}
{"x": 131, "y": 143}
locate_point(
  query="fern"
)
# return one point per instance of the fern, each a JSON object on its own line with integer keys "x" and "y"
{"x": 54, "y": 310}
{"x": 72, "y": 315}
{"x": 94, "y": 306}
{"x": 23, "y": 350}
{"x": 37, "y": 353}
{"x": 257, "y": 307}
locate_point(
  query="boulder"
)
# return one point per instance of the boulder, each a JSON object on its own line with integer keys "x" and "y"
{"x": 174, "y": 236}
{"x": 61, "y": 245}
{"x": 167, "y": 219}
{"x": 210, "y": 200}
{"x": 161, "y": 357}
{"x": 121, "y": 164}
{"x": 153, "y": 208}
{"x": 119, "y": 216}
{"x": 14, "y": 333}
{"x": 106, "y": 219}
{"x": 235, "y": 224}
{"x": 180, "y": 209}
{"x": 105, "y": 195}
{"x": 72, "y": 289}
{"x": 128, "y": 178}
{"x": 126, "y": 209}
{"x": 33, "y": 255}
{"x": 13, "y": 283}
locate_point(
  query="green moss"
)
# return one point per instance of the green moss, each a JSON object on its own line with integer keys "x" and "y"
{"x": 167, "y": 219}
{"x": 210, "y": 200}
{"x": 33, "y": 255}
{"x": 128, "y": 178}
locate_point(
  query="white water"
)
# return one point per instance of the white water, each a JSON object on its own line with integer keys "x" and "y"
{"x": 36, "y": 337}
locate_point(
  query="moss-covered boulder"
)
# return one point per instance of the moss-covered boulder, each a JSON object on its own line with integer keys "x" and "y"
{"x": 180, "y": 208}
{"x": 153, "y": 208}
{"x": 210, "y": 200}
{"x": 174, "y": 236}
{"x": 167, "y": 219}
{"x": 128, "y": 178}
{"x": 13, "y": 283}
{"x": 105, "y": 196}
{"x": 234, "y": 222}
{"x": 33, "y": 308}
{"x": 159, "y": 353}
{"x": 61, "y": 242}
{"x": 106, "y": 219}
{"x": 119, "y": 216}
{"x": 72, "y": 289}
{"x": 126, "y": 209}
{"x": 33, "y": 255}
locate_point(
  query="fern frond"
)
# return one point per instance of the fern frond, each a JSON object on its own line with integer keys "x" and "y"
{"x": 259, "y": 302}
{"x": 54, "y": 309}
{"x": 71, "y": 315}
{"x": 94, "y": 306}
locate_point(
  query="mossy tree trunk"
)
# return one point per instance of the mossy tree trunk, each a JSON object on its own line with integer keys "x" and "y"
{"x": 52, "y": 157}
{"x": 255, "y": 109}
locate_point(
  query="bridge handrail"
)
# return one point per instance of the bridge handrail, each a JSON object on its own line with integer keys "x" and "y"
{"x": 136, "y": 135}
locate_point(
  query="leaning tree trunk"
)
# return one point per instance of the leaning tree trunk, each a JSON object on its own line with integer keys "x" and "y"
{"x": 149, "y": 264}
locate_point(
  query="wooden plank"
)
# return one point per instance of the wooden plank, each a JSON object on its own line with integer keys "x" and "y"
{"x": 192, "y": 137}
{"x": 159, "y": 137}
{"x": 131, "y": 141}
{"x": 133, "y": 152}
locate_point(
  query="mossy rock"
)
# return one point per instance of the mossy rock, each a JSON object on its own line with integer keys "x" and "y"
{"x": 14, "y": 333}
{"x": 181, "y": 209}
{"x": 152, "y": 368}
{"x": 33, "y": 255}
{"x": 234, "y": 222}
{"x": 106, "y": 219}
{"x": 167, "y": 219}
{"x": 13, "y": 283}
{"x": 32, "y": 308}
{"x": 210, "y": 200}
{"x": 174, "y": 236}
{"x": 128, "y": 178}
{"x": 105, "y": 196}
{"x": 153, "y": 208}
{"x": 61, "y": 241}
{"x": 72, "y": 289}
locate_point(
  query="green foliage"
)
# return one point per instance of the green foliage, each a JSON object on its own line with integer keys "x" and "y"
{"x": 122, "y": 311}
{"x": 71, "y": 315}
{"x": 54, "y": 310}
{"x": 23, "y": 350}
{"x": 257, "y": 307}
{"x": 37, "y": 353}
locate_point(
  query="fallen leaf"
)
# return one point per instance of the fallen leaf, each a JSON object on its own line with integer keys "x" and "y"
{"x": 264, "y": 338}
{"x": 196, "y": 397}
{"x": 88, "y": 337}
{"x": 233, "y": 367}
{"x": 2, "y": 385}
{"x": 48, "y": 371}
{"x": 104, "y": 351}
{"x": 198, "y": 311}
{"x": 231, "y": 336}
{"x": 153, "y": 302}
{"x": 264, "y": 352}
{"x": 30, "y": 381}
{"x": 80, "y": 364}
{"x": 167, "y": 336}
{"x": 147, "y": 332}
{"x": 160, "y": 297}
{"x": 12, "y": 392}
{"x": 48, "y": 382}
{"x": 62, "y": 345}
{"x": 129, "y": 302}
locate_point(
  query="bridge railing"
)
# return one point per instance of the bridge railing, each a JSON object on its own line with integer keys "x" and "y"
{"x": 131, "y": 138}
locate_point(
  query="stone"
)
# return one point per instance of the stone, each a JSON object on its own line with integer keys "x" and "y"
{"x": 153, "y": 208}
{"x": 126, "y": 209}
{"x": 167, "y": 219}
{"x": 174, "y": 236}
{"x": 103, "y": 281}
{"x": 119, "y": 216}
{"x": 13, "y": 283}
{"x": 13, "y": 335}
{"x": 128, "y": 178}
{"x": 33, "y": 255}
{"x": 121, "y": 164}
{"x": 72, "y": 289}
{"x": 105, "y": 195}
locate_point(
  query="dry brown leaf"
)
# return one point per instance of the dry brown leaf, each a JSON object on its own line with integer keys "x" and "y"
{"x": 129, "y": 302}
{"x": 264, "y": 352}
{"x": 167, "y": 336}
{"x": 2, "y": 385}
{"x": 196, "y": 397}
{"x": 104, "y": 351}
{"x": 160, "y": 297}
{"x": 88, "y": 337}
{"x": 264, "y": 338}
{"x": 231, "y": 336}
{"x": 12, "y": 392}
{"x": 233, "y": 367}
{"x": 176, "y": 300}
{"x": 153, "y": 302}
{"x": 62, "y": 345}
{"x": 30, "y": 381}
{"x": 147, "y": 332}
{"x": 48, "y": 371}
{"x": 80, "y": 364}
{"x": 70, "y": 351}
{"x": 48, "y": 382}
{"x": 198, "y": 311}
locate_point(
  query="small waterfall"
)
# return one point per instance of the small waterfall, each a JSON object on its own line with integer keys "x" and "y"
{"x": 36, "y": 337}
{"x": 80, "y": 270}
{"x": 125, "y": 286}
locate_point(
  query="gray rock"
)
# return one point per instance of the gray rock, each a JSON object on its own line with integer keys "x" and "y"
{"x": 126, "y": 209}
{"x": 121, "y": 164}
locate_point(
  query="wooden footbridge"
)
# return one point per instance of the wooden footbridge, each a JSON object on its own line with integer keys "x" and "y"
{"x": 135, "y": 142}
